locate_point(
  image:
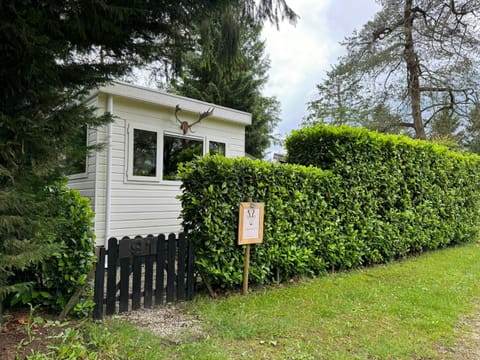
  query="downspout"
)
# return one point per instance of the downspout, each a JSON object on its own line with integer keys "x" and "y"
{"x": 108, "y": 188}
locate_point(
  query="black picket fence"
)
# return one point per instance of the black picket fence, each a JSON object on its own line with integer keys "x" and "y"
{"x": 157, "y": 269}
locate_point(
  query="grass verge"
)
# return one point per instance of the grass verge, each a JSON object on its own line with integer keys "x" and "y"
{"x": 403, "y": 310}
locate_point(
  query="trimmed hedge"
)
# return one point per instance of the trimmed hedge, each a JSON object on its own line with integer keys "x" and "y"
{"x": 402, "y": 195}
{"x": 377, "y": 198}
{"x": 300, "y": 218}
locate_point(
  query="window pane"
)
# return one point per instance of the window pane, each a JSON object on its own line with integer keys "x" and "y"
{"x": 177, "y": 150}
{"x": 144, "y": 153}
{"x": 215, "y": 147}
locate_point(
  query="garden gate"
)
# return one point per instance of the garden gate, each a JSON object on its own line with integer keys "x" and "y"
{"x": 158, "y": 269}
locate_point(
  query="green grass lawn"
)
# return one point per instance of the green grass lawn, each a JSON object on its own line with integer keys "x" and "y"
{"x": 403, "y": 310}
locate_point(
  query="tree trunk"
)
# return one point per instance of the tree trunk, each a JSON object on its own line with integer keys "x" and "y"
{"x": 413, "y": 71}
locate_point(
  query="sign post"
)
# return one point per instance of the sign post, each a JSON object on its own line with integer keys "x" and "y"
{"x": 246, "y": 270}
{"x": 250, "y": 231}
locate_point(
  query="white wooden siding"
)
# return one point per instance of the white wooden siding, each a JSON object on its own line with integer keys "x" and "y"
{"x": 139, "y": 208}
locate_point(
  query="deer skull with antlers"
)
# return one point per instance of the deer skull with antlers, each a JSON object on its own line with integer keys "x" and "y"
{"x": 185, "y": 126}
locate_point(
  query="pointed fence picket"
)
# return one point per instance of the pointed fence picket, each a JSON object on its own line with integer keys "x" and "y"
{"x": 157, "y": 269}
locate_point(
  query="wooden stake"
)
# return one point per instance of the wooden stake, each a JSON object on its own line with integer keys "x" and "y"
{"x": 76, "y": 296}
{"x": 246, "y": 269}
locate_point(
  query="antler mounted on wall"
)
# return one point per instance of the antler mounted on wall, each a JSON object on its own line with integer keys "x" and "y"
{"x": 185, "y": 126}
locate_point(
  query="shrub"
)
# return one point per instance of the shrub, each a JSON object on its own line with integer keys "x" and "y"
{"x": 62, "y": 273}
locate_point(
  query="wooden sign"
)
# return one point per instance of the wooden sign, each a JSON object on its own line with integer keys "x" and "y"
{"x": 250, "y": 229}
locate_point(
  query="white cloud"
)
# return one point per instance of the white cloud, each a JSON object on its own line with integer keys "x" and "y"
{"x": 301, "y": 55}
{"x": 298, "y": 53}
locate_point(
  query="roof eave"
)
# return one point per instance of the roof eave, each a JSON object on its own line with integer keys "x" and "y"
{"x": 162, "y": 98}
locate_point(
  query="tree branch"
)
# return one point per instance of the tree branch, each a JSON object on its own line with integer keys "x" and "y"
{"x": 383, "y": 32}
{"x": 417, "y": 9}
{"x": 405, "y": 124}
{"x": 443, "y": 89}
{"x": 462, "y": 11}
{"x": 443, "y": 108}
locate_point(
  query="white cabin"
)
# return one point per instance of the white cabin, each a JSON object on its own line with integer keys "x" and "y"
{"x": 131, "y": 183}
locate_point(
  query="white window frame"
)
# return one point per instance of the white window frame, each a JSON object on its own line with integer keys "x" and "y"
{"x": 129, "y": 154}
{"x": 130, "y": 178}
{"x": 203, "y": 139}
{"x": 218, "y": 140}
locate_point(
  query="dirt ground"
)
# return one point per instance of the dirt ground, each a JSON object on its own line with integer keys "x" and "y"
{"x": 17, "y": 343}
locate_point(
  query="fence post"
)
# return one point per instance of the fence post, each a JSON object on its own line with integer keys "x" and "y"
{"x": 181, "y": 263}
{"x": 190, "y": 270}
{"x": 136, "y": 270}
{"x": 125, "y": 263}
{"x": 160, "y": 277}
{"x": 99, "y": 288}
{"x": 112, "y": 275}
{"x": 172, "y": 252}
{"x": 149, "y": 260}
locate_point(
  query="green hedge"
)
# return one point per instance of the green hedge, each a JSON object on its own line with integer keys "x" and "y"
{"x": 300, "y": 218}
{"x": 401, "y": 195}
{"x": 377, "y": 198}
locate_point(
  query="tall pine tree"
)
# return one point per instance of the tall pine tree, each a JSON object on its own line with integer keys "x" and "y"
{"x": 215, "y": 73}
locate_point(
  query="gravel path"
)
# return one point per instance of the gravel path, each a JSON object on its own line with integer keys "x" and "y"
{"x": 166, "y": 321}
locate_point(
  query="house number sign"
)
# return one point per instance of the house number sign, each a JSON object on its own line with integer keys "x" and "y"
{"x": 250, "y": 229}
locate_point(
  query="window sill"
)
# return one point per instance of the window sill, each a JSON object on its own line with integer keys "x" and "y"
{"x": 151, "y": 181}
{"x": 142, "y": 179}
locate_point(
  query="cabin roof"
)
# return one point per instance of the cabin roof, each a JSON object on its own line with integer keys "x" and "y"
{"x": 163, "y": 98}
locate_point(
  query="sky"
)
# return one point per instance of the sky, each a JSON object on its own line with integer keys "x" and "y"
{"x": 301, "y": 54}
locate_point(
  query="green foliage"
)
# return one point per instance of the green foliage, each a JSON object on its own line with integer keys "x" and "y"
{"x": 416, "y": 309}
{"x": 26, "y": 232}
{"x": 78, "y": 343}
{"x": 299, "y": 217}
{"x": 400, "y": 195}
{"x": 72, "y": 256}
{"x": 336, "y": 105}
{"x": 473, "y": 129}
{"x": 67, "y": 270}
